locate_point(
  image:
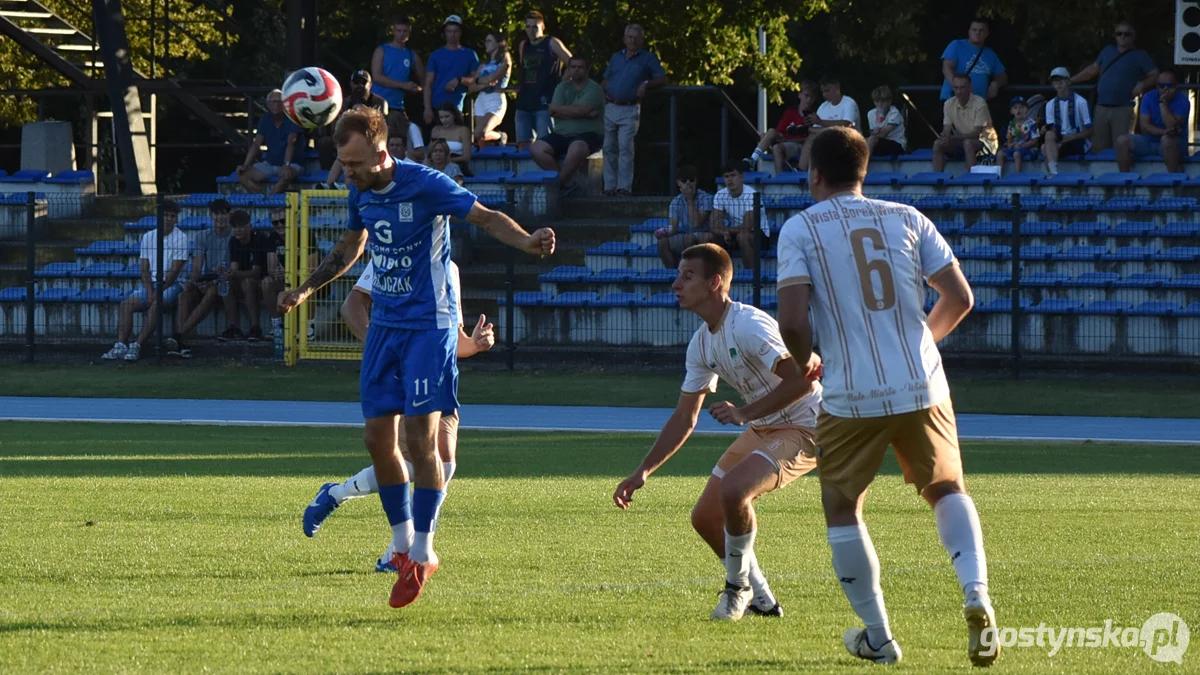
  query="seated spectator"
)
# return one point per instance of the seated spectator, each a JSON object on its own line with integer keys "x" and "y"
{"x": 733, "y": 221}
{"x": 452, "y": 129}
{"x": 689, "y": 213}
{"x": 273, "y": 283}
{"x": 786, "y": 140}
{"x": 967, "y": 130}
{"x": 1021, "y": 140}
{"x": 439, "y": 158}
{"x": 360, "y": 95}
{"x": 282, "y": 138}
{"x": 1163, "y": 123}
{"x": 247, "y": 262}
{"x": 491, "y": 103}
{"x": 1068, "y": 124}
{"x": 404, "y": 142}
{"x": 836, "y": 111}
{"x": 144, "y": 298}
{"x": 886, "y": 124}
{"x": 210, "y": 257}
{"x": 578, "y": 113}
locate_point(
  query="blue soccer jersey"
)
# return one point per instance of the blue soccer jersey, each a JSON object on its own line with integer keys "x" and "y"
{"x": 409, "y": 245}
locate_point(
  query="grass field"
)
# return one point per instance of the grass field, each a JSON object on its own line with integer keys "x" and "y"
{"x": 155, "y": 549}
{"x": 1137, "y": 396}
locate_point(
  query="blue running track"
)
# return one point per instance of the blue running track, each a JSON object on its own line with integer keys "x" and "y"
{"x": 553, "y": 418}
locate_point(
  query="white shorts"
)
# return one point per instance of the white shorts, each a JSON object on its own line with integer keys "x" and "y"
{"x": 494, "y": 103}
{"x": 366, "y": 280}
{"x": 271, "y": 171}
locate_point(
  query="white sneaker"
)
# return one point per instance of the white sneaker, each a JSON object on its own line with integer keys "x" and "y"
{"x": 856, "y": 643}
{"x": 978, "y": 612}
{"x": 732, "y": 603}
{"x": 312, "y": 329}
{"x": 118, "y": 350}
{"x": 133, "y": 352}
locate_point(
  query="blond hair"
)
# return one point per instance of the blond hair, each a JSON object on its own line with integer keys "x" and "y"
{"x": 881, "y": 93}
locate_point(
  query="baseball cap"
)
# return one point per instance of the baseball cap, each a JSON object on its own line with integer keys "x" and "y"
{"x": 453, "y": 18}
{"x": 1060, "y": 72}
{"x": 1015, "y": 100}
{"x": 361, "y": 76}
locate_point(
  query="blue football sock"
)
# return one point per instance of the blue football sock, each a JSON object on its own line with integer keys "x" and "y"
{"x": 426, "y": 504}
{"x": 397, "y": 504}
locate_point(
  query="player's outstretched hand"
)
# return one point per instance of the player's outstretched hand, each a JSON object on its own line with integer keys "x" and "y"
{"x": 623, "y": 497}
{"x": 814, "y": 369}
{"x": 727, "y": 413}
{"x": 541, "y": 242}
{"x": 290, "y": 299}
{"x": 484, "y": 335}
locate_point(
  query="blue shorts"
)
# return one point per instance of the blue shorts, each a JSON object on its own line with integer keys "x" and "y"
{"x": 533, "y": 125}
{"x": 1146, "y": 145}
{"x": 409, "y": 372}
{"x": 170, "y": 293}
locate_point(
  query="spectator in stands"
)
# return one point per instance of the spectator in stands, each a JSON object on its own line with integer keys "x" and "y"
{"x": 979, "y": 62}
{"x": 733, "y": 221}
{"x": 837, "y": 110}
{"x": 886, "y": 124}
{"x": 1124, "y": 73}
{"x": 631, "y": 73}
{"x": 543, "y": 59}
{"x": 1068, "y": 125}
{"x": 491, "y": 103}
{"x": 450, "y": 70}
{"x": 273, "y": 283}
{"x": 360, "y": 94}
{"x": 282, "y": 138}
{"x": 404, "y": 142}
{"x": 578, "y": 127}
{"x": 453, "y": 129}
{"x": 247, "y": 262}
{"x": 144, "y": 298}
{"x": 397, "y": 70}
{"x": 210, "y": 257}
{"x": 967, "y": 131}
{"x": 439, "y": 158}
{"x": 786, "y": 140}
{"x": 1163, "y": 120}
{"x": 689, "y": 214}
{"x": 1022, "y": 137}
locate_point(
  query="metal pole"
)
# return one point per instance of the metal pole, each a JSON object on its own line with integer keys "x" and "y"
{"x": 510, "y": 275}
{"x": 757, "y": 249}
{"x": 724, "y": 135}
{"x": 30, "y": 282}
{"x": 153, "y": 31}
{"x": 762, "y": 91}
{"x": 1015, "y": 287}
{"x": 672, "y": 188}
{"x": 158, "y": 277}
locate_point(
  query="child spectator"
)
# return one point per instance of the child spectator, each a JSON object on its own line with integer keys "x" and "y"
{"x": 886, "y": 125}
{"x": 785, "y": 141}
{"x": 1022, "y": 135}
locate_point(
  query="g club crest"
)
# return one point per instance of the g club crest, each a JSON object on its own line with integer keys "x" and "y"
{"x": 405, "y": 212}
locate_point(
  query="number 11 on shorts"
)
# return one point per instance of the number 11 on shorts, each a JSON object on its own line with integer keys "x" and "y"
{"x": 421, "y": 387}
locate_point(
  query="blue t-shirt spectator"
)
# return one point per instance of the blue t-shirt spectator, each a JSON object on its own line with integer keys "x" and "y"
{"x": 397, "y": 64}
{"x": 679, "y": 211}
{"x": 276, "y": 138}
{"x": 963, "y": 53}
{"x": 447, "y": 64}
{"x": 625, "y": 75}
{"x": 1119, "y": 77}
{"x": 1178, "y": 105}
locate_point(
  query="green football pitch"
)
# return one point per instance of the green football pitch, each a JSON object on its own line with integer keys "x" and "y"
{"x": 179, "y": 549}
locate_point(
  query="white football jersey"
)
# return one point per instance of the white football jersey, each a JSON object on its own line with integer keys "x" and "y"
{"x": 743, "y": 351}
{"x": 865, "y": 260}
{"x": 366, "y": 280}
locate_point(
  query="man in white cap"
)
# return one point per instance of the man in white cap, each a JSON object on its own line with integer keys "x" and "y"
{"x": 450, "y": 70}
{"x": 1068, "y": 122}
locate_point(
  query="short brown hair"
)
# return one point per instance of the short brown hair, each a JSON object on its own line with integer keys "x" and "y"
{"x": 239, "y": 218}
{"x": 840, "y": 155}
{"x": 715, "y": 260}
{"x": 536, "y": 16}
{"x": 366, "y": 121}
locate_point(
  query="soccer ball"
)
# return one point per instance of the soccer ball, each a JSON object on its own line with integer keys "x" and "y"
{"x": 311, "y": 97}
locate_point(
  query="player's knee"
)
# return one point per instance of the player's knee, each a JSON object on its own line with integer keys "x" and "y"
{"x": 733, "y": 491}
{"x": 934, "y": 492}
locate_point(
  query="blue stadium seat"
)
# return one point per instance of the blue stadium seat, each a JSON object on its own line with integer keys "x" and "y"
{"x": 231, "y": 178}
{"x": 99, "y": 270}
{"x": 519, "y": 154}
{"x": 492, "y": 200}
{"x": 1115, "y": 179}
{"x": 927, "y": 178}
{"x": 1191, "y": 310}
{"x": 1163, "y": 179}
{"x": 661, "y": 300}
{"x": 1056, "y": 306}
{"x": 1130, "y": 253}
{"x": 132, "y": 271}
{"x": 788, "y": 201}
{"x": 994, "y": 252}
{"x": 991, "y": 279}
{"x": 1040, "y": 228}
{"x": 57, "y": 269}
{"x": 1179, "y": 230}
{"x": 920, "y": 155}
{"x": 789, "y": 178}
{"x": 885, "y": 178}
{"x": 948, "y": 227}
{"x": 1179, "y": 254}
{"x": 1132, "y": 228}
{"x": 1038, "y": 252}
{"x": 1124, "y": 204}
{"x": 1003, "y": 306}
{"x": 1044, "y": 279}
{"x": 493, "y": 152}
{"x": 989, "y": 227}
{"x": 1069, "y": 179}
{"x": 1092, "y": 280}
{"x": 26, "y": 176}
{"x": 1155, "y": 309}
{"x": 614, "y": 275}
{"x": 198, "y": 199}
{"x": 82, "y": 177}
{"x": 1082, "y": 253}
{"x": 618, "y": 300}
{"x": 650, "y": 225}
{"x": 1109, "y": 155}
{"x": 657, "y": 275}
{"x": 528, "y": 299}
{"x": 102, "y": 295}
{"x": 1023, "y": 179}
{"x": 650, "y": 251}
{"x": 936, "y": 202}
{"x": 970, "y": 179}
{"x": 243, "y": 199}
{"x": 572, "y": 299}
{"x": 1142, "y": 280}
{"x": 1074, "y": 204}
{"x": 12, "y": 294}
{"x": 57, "y": 295}
{"x": 985, "y": 203}
{"x": 273, "y": 201}
{"x": 534, "y": 178}
{"x": 896, "y": 198}
{"x": 614, "y": 248}
{"x": 1035, "y": 202}
{"x": 1173, "y": 205}
{"x": 752, "y": 177}
{"x": 1106, "y": 307}
{"x": 1082, "y": 229}
{"x": 747, "y": 276}
{"x": 489, "y": 176}
{"x": 566, "y": 274}
{"x": 1185, "y": 281}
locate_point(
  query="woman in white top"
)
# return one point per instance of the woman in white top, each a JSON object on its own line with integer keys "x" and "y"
{"x": 439, "y": 158}
{"x": 492, "y": 78}
{"x": 452, "y": 129}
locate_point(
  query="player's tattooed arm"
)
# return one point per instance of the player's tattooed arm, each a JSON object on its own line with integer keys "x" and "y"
{"x": 339, "y": 261}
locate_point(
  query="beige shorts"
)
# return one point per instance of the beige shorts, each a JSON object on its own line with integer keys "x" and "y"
{"x": 926, "y": 443}
{"x": 1110, "y": 123}
{"x": 792, "y": 450}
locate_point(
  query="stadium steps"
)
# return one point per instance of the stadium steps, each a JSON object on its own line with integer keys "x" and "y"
{"x": 635, "y": 208}
{"x": 13, "y": 253}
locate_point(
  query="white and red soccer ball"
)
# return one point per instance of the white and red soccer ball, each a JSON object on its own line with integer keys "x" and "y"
{"x": 312, "y": 97}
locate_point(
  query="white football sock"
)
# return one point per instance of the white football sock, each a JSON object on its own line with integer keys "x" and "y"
{"x": 857, "y": 568}
{"x": 447, "y": 472}
{"x": 422, "y": 548}
{"x": 739, "y": 556}
{"x": 360, "y": 484}
{"x": 1052, "y": 167}
{"x": 402, "y": 537}
{"x": 958, "y": 527}
{"x": 757, "y": 155}
{"x": 758, "y": 581}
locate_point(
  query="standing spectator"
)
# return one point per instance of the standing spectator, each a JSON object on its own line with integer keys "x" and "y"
{"x": 631, "y": 73}
{"x": 836, "y": 111}
{"x": 210, "y": 256}
{"x": 786, "y": 140}
{"x": 397, "y": 69}
{"x": 1124, "y": 73}
{"x": 452, "y": 128}
{"x": 144, "y": 299}
{"x": 578, "y": 128}
{"x": 491, "y": 103}
{"x": 281, "y": 137}
{"x": 273, "y": 283}
{"x": 1068, "y": 124}
{"x": 979, "y": 62}
{"x": 247, "y": 260}
{"x": 967, "y": 131}
{"x": 1163, "y": 120}
{"x": 1022, "y": 136}
{"x": 886, "y": 124}
{"x": 689, "y": 213}
{"x": 450, "y": 70}
{"x": 733, "y": 220}
{"x": 543, "y": 58}
{"x": 439, "y": 158}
